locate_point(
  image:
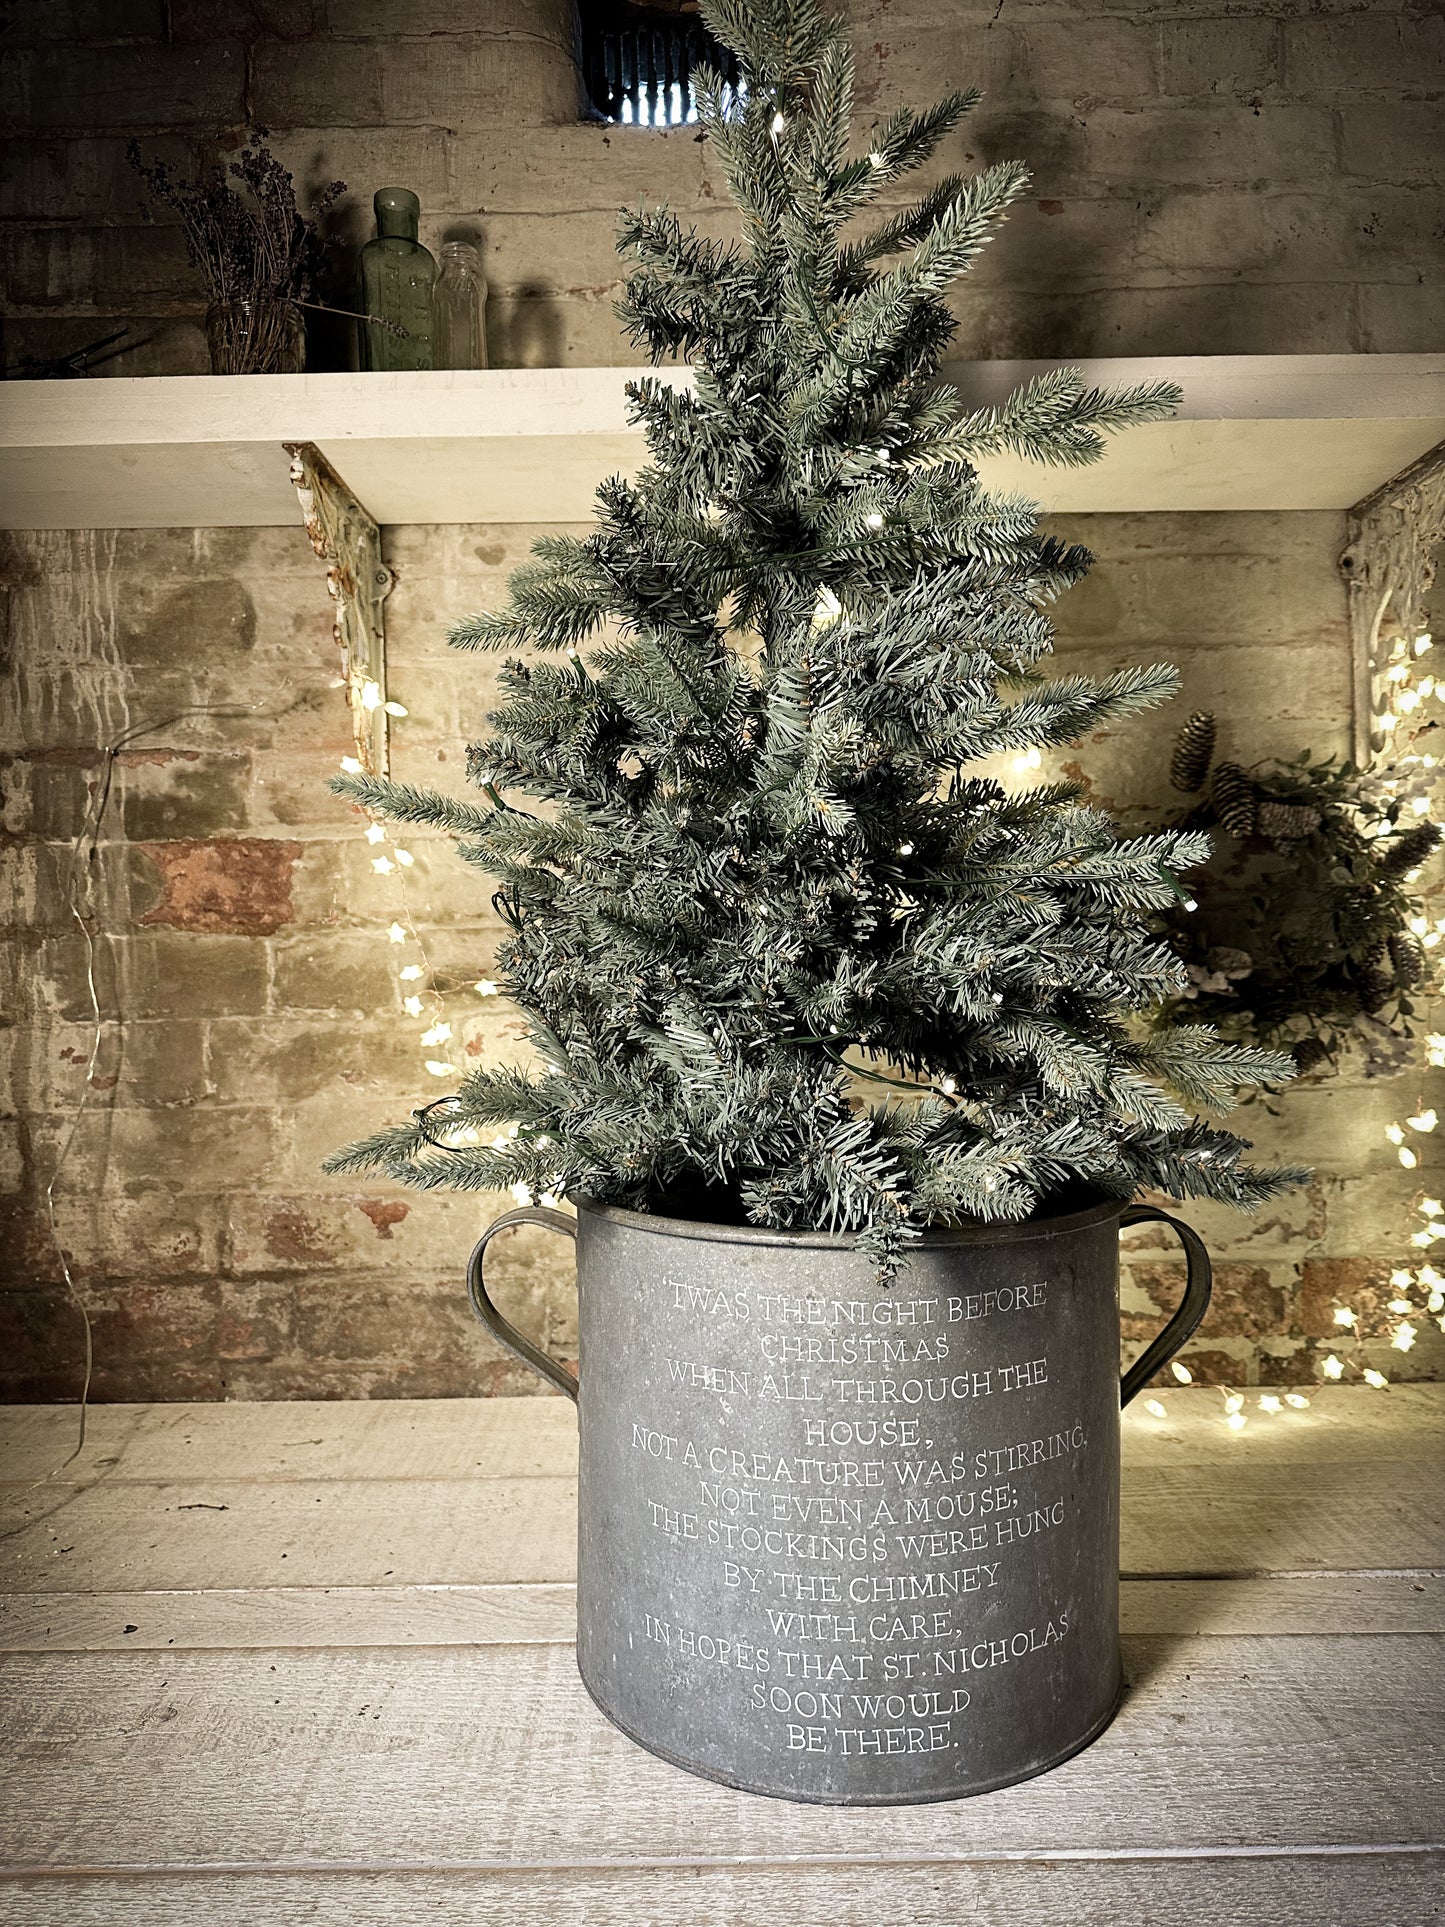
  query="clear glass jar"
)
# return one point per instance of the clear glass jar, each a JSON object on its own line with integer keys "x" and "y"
{"x": 460, "y": 303}
{"x": 255, "y": 338}
{"x": 397, "y": 274}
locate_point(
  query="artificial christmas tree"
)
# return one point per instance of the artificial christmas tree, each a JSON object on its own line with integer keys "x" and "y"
{"x": 820, "y": 1000}
{"x": 789, "y": 954}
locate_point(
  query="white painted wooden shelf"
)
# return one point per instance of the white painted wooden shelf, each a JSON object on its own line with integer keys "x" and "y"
{"x": 531, "y": 445}
{"x": 274, "y": 1664}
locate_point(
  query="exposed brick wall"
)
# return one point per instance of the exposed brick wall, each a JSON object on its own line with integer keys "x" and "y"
{"x": 1208, "y": 178}
{"x": 1251, "y": 176}
{"x": 253, "y": 1002}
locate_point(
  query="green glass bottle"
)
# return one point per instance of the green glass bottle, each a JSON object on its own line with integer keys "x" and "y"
{"x": 397, "y": 274}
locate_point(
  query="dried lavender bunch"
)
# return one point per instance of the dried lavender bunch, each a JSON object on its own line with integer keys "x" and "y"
{"x": 250, "y": 240}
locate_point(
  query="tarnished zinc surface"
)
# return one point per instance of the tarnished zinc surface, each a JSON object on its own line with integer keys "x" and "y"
{"x": 846, "y": 1543}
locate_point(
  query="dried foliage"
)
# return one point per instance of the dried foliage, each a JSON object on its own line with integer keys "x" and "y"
{"x": 241, "y": 224}
{"x": 1302, "y": 935}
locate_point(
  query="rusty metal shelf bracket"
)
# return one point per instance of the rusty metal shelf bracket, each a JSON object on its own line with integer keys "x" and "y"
{"x": 1389, "y": 564}
{"x": 348, "y": 541}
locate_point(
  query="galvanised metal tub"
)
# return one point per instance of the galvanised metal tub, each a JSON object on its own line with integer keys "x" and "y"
{"x": 846, "y": 1543}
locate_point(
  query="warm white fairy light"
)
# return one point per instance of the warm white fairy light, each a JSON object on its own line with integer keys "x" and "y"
{"x": 522, "y": 1191}
{"x": 375, "y": 833}
{"x": 1182, "y": 1373}
{"x": 412, "y": 1006}
{"x": 439, "y": 1069}
{"x": 484, "y": 987}
{"x": 875, "y": 520}
{"x": 438, "y": 1034}
{"x": 371, "y": 697}
{"x": 777, "y": 124}
{"x": 1423, "y": 1121}
{"x": 1395, "y": 1133}
{"x": 397, "y": 933}
{"x": 351, "y": 765}
{"x": 396, "y": 709}
{"x": 827, "y": 608}
{"x": 410, "y": 972}
{"x": 382, "y": 865}
{"x": 1333, "y": 1367}
{"x": 1377, "y": 1379}
{"x": 1158, "y": 1410}
{"x": 1269, "y": 1402}
{"x": 1407, "y": 1157}
{"x": 1233, "y": 1401}
{"x": 1297, "y": 1400}
{"x": 1343, "y": 1315}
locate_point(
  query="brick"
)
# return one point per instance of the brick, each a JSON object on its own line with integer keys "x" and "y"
{"x": 1396, "y": 140}
{"x": 46, "y": 797}
{"x": 1360, "y": 1283}
{"x": 290, "y": 1061}
{"x": 581, "y": 168}
{"x": 334, "y": 972}
{"x": 1050, "y": 244}
{"x": 182, "y": 793}
{"x": 1247, "y": 1302}
{"x": 31, "y": 23}
{"x": 166, "y": 621}
{"x": 1404, "y": 319}
{"x": 237, "y": 884}
{"x": 42, "y": 1354}
{"x": 1395, "y": 54}
{"x": 135, "y": 270}
{"x": 143, "y": 87}
{"x": 81, "y": 180}
{"x": 206, "y": 20}
{"x": 289, "y": 793}
{"x": 366, "y": 158}
{"x": 194, "y": 1149}
{"x": 30, "y": 1256}
{"x": 546, "y": 20}
{"x": 1108, "y": 59}
{"x": 1231, "y": 56}
{"x": 146, "y": 1063}
{"x": 326, "y": 84}
{"x": 456, "y": 81}
{"x": 1208, "y": 1364}
{"x": 1271, "y": 143}
{"x": 155, "y": 1234}
{"x": 169, "y": 973}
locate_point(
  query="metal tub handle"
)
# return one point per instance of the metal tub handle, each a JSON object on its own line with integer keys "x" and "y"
{"x": 505, "y": 1333}
{"x": 1198, "y": 1282}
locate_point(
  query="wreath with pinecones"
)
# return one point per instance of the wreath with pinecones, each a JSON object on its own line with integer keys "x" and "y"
{"x": 1301, "y": 936}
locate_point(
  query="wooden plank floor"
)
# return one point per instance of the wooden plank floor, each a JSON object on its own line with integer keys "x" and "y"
{"x": 311, "y": 1663}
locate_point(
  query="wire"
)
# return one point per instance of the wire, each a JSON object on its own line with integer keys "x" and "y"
{"x": 80, "y": 900}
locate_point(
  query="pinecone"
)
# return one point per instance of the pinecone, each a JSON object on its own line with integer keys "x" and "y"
{"x": 1235, "y": 801}
{"x": 1309, "y": 1052}
{"x": 1409, "y": 851}
{"x": 1407, "y": 954}
{"x": 1374, "y": 982}
{"x": 1193, "y": 752}
{"x": 1285, "y": 821}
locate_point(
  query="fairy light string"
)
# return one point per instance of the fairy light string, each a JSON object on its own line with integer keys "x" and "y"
{"x": 1404, "y": 777}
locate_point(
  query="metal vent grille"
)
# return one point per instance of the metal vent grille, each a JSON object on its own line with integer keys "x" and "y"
{"x": 638, "y": 64}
